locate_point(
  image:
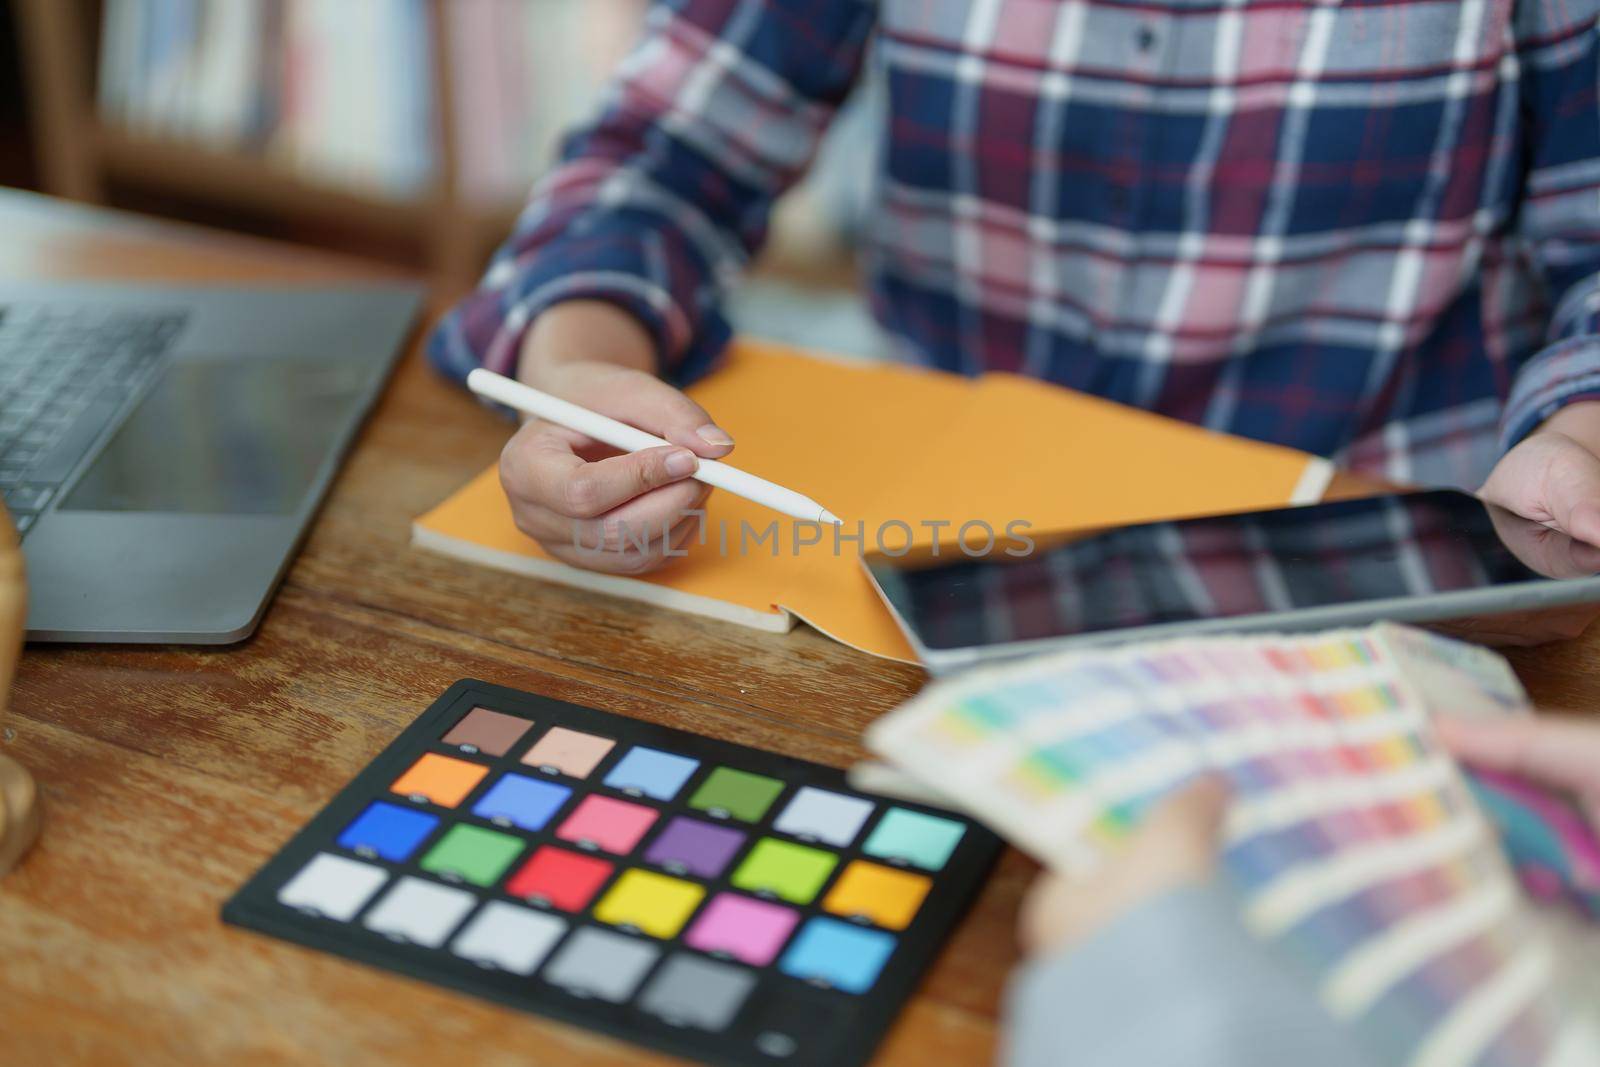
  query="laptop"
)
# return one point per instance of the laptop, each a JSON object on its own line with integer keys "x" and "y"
{"x": 163, "y": 450}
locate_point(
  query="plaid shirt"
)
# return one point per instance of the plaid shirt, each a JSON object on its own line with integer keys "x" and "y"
{"x": 1369, "y": 229}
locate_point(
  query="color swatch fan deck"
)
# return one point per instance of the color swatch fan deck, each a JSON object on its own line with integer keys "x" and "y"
{"x": 708, "y": 899}
{"x": 1352, "y": 838}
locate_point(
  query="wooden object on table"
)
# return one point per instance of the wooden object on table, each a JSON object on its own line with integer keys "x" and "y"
{"x": 176, "y": 772}
{"x": 19, "y": 797}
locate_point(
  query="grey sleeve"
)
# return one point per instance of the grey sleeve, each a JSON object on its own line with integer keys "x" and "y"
{"x": 1177, "y": 982}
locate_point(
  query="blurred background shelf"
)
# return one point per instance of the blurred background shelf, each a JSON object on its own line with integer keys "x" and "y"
{"x": 407, "y": 130}
{"x": 246, "y": 179}
{"x": 319, "y": 111}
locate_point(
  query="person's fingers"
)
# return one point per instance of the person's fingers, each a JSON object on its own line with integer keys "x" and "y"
{"x": 598, "y": 488}
{"x": 561, "y": 501}
{"x": 1508, "y": 486}
{"x": 521, "y": 472}
{"x": 671, "y": 414}
{"x": 640, "y": 522}
{"x": 541, "y": 469}
{"x": 1179, "y": 836}
{"x": 629, "y": 561}
{"x": 1550, "y": 551}
{"x": 1553, "y": 750}
{"x": 1585, "y": 554}
{"x": 1175, "y": 845}
{"x": 1195, "y": 811}
{"x": 1583, "y": 524}
{"x": 1573, "y": 488}
{"x": 1552, "y": 479}
{"x": 1533, "y": 492}
{"x": 643, "y": 400}
{"x": 1046, "y": 917}
{"x": 655, "y": 516}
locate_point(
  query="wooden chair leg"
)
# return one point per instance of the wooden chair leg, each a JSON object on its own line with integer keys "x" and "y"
{"x": 19, "y": 813}
{"x": 55, "y": 55}
{"x": 19, "y": 797}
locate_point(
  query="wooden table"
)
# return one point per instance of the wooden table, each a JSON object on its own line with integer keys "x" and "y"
{"x": 170, "y": 774}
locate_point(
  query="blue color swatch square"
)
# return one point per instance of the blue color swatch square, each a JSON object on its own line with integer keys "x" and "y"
{"x": 651, "y": 772}
{"x": 520, "y": 801}
{"x": 843, "y": 956}
{"x": 388, "y": 831}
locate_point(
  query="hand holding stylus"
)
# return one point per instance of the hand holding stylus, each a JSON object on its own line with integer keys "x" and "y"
{"x": 598, "y": 356}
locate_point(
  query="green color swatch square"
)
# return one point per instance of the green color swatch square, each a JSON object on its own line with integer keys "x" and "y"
{"x": 739, "y": 793}
{"x": 911, "y": 836}
{"x": 479, "y": 856}
{"x": 794, "y": 872}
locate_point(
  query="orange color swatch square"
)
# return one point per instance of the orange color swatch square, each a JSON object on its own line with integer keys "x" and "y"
{"x": 443, "y": 780}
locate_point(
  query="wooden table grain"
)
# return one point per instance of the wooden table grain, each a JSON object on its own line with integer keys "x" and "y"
{"x": 170, "y": 774}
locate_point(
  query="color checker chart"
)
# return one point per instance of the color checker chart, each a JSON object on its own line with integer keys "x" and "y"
{"x": 714, "y": 901}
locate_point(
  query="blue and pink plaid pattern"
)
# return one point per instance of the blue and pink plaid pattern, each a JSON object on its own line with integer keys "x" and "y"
{"x": 1369, "y": 229}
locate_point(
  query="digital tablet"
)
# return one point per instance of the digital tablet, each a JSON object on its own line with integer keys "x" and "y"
{"x": 1415, "y": 557}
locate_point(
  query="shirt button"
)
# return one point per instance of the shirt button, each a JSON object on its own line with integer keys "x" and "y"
{"x": 1145, "y": 38}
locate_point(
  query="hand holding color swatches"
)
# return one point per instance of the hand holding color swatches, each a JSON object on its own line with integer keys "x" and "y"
{"x": 706, "y": 898}
{"x": 1351, "y": 836}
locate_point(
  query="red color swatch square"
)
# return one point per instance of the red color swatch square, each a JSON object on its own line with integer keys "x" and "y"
{"x": 565, "y": 879}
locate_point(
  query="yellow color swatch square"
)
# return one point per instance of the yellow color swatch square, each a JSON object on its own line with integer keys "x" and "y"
{"x": 650, "y": 902}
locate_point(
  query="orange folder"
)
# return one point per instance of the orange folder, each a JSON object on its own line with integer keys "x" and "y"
{"x": 891, "y": 449}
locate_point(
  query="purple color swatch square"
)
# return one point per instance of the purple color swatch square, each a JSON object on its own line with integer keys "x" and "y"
{"x": 689, "y": 846}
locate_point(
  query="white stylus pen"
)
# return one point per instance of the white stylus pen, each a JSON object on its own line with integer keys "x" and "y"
{"x": 632, "y": 439}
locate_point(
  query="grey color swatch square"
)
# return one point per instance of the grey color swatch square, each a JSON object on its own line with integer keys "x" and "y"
{"x": 508, "y": 937}
{"x": 419, "y": 911}
{"x": 601, "y": 964}
{"x": 690, "y": 991}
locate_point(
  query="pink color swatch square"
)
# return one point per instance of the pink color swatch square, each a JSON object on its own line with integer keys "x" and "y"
{"x": 612, "y": 825}
{"x": 747, "y": 929}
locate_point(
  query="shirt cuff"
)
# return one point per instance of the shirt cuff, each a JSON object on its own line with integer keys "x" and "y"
{"x": 1566, "y": 372}
{"x": 487, "y": 328}
{"x": 1222, "y": 996}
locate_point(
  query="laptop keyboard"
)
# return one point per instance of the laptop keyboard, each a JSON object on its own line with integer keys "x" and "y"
{"x": 64, "y": 373}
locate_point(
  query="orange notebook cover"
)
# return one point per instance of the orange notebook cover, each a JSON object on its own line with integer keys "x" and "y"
{"x": 884, "y": 445}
